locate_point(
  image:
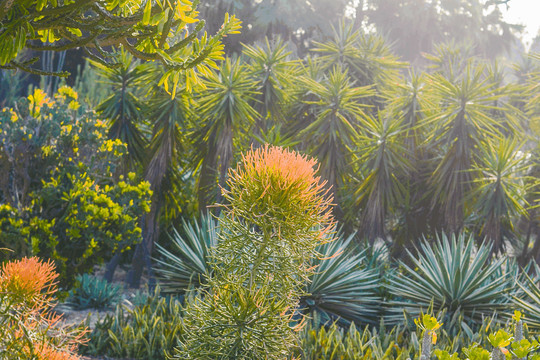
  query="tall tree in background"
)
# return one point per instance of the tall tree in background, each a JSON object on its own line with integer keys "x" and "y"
{"x": 415, "y": 26}
{"x": 384, "y": 162}
{"x": 297, "y": 21}
{"x": 407, "y": 103}
{"x": 225, "y": 106}
{"x": 161, "y": 165}
{"x": 461, "y": 121}
{"x": 123, "y": 108}
{"x": 332, "y": 135}
{"x": 271, "y": 66}
{"x": 500, "y": 191}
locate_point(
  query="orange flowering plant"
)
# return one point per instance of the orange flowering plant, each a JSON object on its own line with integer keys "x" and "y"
{"x": 281, "y": 186}
{"x": 28, "y": 327}
{"x": 279, "y": 203}
{"x": 277, "y": 212}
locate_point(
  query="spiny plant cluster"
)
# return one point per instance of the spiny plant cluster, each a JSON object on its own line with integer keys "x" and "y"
{"x": 29, "y": 329}
{"x": 277, "y": 213}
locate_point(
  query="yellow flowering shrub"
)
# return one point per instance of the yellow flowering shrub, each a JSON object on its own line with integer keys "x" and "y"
{"x": 61, "y": 196}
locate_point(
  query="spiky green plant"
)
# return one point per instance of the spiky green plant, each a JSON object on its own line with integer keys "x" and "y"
{"x": 450, "y": 275}
{"x": 93, "y": 293}
{"x": 528, "y": 300}
{"x": 271, "y": 66}
{"x": 500, "y": 191}
{"x": 384, "y": 161}
{"x": 226, "y": 107}
{"x": 278, "y": 212}
{"x": 344, "y": 286}
{"x": 122, "y": 108}
{"x": 188, "y": 262}
{"x": 334, "y": 129}
{"x": 367, "y": 57}
{"x": 462, "y": 119}
{"x": 406, "y": 103}
{"x": 450, "y": 59}
{"x": 332, "y": 342}
{"x": 147, "y": 331}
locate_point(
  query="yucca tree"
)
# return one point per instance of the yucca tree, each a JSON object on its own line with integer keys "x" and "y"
{"x": 366, "y": 56}
{"x": 126, "y": 115}
{"x": 301, "y": 112}
{"x": 224, "y": 108}
{"x": 271, "y": 66}
{"x": 500, "y": 191}
{"x": 461, "y": 120}
{"x": 334, "y": 131}
{"x": 123, "y": 109}
{"x": 450, "y": 275}
{"x": 341, "y": 49}
{"x": 161, "y": 167}
{"x": 532, "y": 93}
{"x": 384, "y": 162}
{"x": 450, "y": 59}
{"x": 153, "y": 132}
{"x": 170, "y": 117}
{"x": 407, "y": 103}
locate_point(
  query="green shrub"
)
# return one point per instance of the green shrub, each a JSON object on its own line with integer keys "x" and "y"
{"x": 94, "y": 221}
{"x": 148, "y": 331}
{"x": 59, "y": 185}
{"x": 93, "y": 292}
{"x": 501, "y": 344}
{"x": 20, "y": 235}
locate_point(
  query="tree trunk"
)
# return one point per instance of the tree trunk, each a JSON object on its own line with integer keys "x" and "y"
{"x": 359, "y": 18}
{"x": 143, "y": 251}
{"x": 110, "y": 268}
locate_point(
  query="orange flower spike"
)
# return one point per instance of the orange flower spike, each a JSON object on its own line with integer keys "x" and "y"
{"x": 273, "y": 174}
{"x": 28, "y": 278}
{"x": 46, "y": 352}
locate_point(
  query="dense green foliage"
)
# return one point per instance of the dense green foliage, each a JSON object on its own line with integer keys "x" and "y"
{"x": 432, "y": 167}
{"x": 405, "y": 155}
{"x": 150, "y": 30}
{"x": 60, "y": 187}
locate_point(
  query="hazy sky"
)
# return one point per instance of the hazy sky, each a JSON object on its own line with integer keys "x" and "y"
{"x": 526, "y": 12}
